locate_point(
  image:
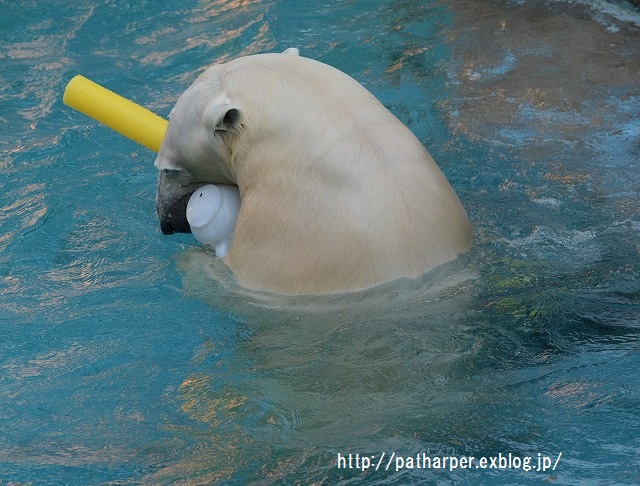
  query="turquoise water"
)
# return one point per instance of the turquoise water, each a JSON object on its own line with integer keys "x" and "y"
{"x": 127, "y": 357}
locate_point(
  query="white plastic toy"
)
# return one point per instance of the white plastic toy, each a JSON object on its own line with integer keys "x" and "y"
{"x": 212, "y": 212}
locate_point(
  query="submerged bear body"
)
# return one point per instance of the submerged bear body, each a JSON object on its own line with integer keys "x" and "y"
{"x": 336, "y": 193}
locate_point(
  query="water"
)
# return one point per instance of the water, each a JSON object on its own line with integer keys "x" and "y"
{"x": 127, "y": 357}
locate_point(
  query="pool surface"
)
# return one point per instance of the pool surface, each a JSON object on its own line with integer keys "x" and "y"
{"x": 128, "y": 357}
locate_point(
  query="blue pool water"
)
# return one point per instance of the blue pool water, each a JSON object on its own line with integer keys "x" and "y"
{"x": 127, "y": 357}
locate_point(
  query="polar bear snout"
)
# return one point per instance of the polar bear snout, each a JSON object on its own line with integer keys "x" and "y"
{"x": 171, "y": 204}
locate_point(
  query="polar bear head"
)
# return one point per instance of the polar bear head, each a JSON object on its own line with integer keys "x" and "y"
{"x": 207, "y": 125}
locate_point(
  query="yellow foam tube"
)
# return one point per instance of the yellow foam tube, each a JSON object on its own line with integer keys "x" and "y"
{"x": 118, "y": 113}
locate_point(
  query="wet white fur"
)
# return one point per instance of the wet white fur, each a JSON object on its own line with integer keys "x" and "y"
{"x": 337, "y": 194}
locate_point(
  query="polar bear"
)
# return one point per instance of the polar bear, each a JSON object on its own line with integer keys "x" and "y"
{"x": 336, "y": 193}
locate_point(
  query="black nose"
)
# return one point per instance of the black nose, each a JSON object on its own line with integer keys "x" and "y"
{"x": 166, "y": 228}
{"x": 171, "y": 227}
{"x": 173, "y": 217}
{"x": 170, "y": 224}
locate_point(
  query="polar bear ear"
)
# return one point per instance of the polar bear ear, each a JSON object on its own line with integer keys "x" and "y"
{"x": 221, "y": 117}
{"x": 292, "y": 51}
